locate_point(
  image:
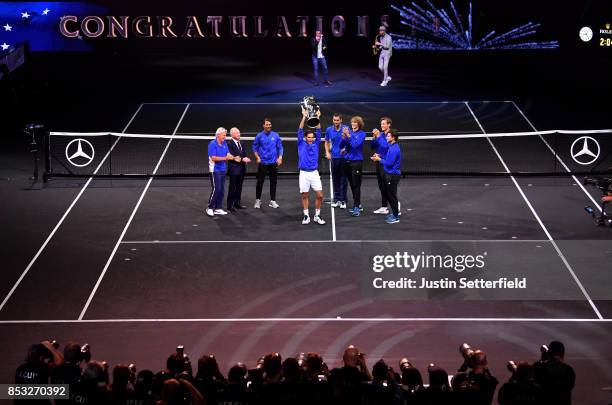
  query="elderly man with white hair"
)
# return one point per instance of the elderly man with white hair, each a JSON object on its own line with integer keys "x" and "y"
{"x": 218, "y": 155}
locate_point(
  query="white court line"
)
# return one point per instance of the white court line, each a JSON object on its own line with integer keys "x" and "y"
{"x": 331, "y": 195}
{"x": 347, "y": 102}
{"x": 178, "y": 242}
{"x": 106, "y": 266}
{"x": 535, "y": 214}
{"x": 597, "y": 204}
{"x": 59, "y": 223}
{"x": 261, "y": 320}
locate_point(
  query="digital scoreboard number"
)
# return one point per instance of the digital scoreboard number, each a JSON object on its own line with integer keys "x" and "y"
{"x": 605, "y": 35}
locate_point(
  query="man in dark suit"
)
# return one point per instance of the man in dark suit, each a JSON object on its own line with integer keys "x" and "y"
{"x": 236, "y": 170}
{"x": 318, "y": 45}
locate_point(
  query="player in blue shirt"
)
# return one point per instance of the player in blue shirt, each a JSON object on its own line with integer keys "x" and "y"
{"x": 308, "y": 143}
{"x": 333, "y": 137}
{"x": 352, "y": 143}
{"x": 380, "y": 146}
{"x": 391, "y": 164}
{"x": 268, "y": 151}
{"x": 218, "y": 155}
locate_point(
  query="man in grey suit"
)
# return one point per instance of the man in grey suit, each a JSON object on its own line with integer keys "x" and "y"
{"x": 385, "y": 45}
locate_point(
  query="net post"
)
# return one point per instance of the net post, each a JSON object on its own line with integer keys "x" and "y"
{"x": 47, "y": 149}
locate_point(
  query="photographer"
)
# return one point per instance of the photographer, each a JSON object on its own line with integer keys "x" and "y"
{"x": 209, "y": 380}
{"x": 316, "y": 375}
{"x": 236, "y": 391}
{"x": 411, "y": 380}
{"x": 35, "y": 370}
{"x": 476, "y": 386}
{"x": 92, "y": 388}
{"x": 438, "y": 392}
{"x": 521, "y": 389}
{"x": 384, "y": 388}
{"x": 178, "y": 364}
{"x": 556, "y": 378}
{"x": 346, "y": 381}
{"x": 69, "y": 372}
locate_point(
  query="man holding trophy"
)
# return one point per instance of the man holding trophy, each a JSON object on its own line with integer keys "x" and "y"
{"x": 308, "y": 142}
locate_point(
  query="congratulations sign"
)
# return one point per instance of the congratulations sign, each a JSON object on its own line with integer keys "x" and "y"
{"x": 212, "y": 26}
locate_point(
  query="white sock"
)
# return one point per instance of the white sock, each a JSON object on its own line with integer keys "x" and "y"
{"x": 317, "y": 212}
{"x": 306, "y": 212}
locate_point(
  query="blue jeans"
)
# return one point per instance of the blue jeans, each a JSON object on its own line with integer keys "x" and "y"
{"x": 339, "y": 179}
{"x": 315, "y": 65}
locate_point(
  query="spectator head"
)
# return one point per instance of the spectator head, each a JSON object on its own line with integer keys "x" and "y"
{"x": 351, "y": 356}
{"x": 380, "y": 370}
{"x": 272, "y": 364}
{"x": 291, "y": 369}
{"x": 144, "y": 381}
{"x": 438, "y": 378}
{"x": 479, "y": 360}
{"x": 524, "y": 371}
{"x": 172, "y": 392}
{"x": 175, "y": 363}
{"x": 237, "y": 373}
{"x": 314, "y": 363}
{"x": 121, "y": 377}
{"x": 72, "y": 352}
{"x": 556, "y": 349}
{"x": 411, "y": 376}
{"x": 94, "y": 372}
{"x": 38, "y": 353}
{"x": 207, "y": 366}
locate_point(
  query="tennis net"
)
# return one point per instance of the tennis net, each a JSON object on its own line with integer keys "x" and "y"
{"x": 555, "y": 152}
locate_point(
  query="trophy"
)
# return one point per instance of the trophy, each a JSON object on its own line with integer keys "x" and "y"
{"x": 310, "y": 105}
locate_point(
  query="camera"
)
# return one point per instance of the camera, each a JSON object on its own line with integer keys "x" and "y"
{"x": 405, "y": 364}
{"x": 604, "y": 184}
{"x": 180, "y": 350}
{"x": 544, "y": 353}
{"x": 511, "y": 366}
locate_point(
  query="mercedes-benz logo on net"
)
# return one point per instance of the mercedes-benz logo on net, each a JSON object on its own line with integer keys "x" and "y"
{"x": 80, "y": 152}
{"x": 585, "y": 150}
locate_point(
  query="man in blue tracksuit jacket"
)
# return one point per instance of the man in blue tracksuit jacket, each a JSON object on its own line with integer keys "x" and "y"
{"x": 391, "y": 164}
{"x": 268, "y": 151}
{"x": 380, "y": 146}
{"x": 333, "y": 137}
{"x": 352, "y": 143}
{"x": 308, "y": 143}
{"x": 218, "y": 155}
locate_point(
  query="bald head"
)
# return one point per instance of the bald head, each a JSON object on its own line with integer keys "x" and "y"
{"x": 351, "y": 356}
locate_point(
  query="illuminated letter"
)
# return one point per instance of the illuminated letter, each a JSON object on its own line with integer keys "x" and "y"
{"x": 338, "y": 25}
{"x": 239, "y": 26}
{"x": 165, "y": 27}
{"x": 64, "y": 26}
{"x": 214, "y": 20}
{"x": 281, "y": 25}
{"x": 116, "y": 26}
{"x": 99, "y": 26}
{"x": 363, "y": 23}
{"x": 259, "y": 31}
{"x": 302, "y": 25}
{"x": 193, "y": 28}
{"x": 142, "y": 27}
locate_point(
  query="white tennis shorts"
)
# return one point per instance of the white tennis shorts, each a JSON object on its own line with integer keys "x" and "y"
{"x": 310, "y": 179}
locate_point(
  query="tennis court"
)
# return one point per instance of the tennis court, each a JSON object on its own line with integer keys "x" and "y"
{"x": 139, "y": 253}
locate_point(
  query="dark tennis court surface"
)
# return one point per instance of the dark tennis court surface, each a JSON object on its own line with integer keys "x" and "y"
{"x": 138, "y": 257}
